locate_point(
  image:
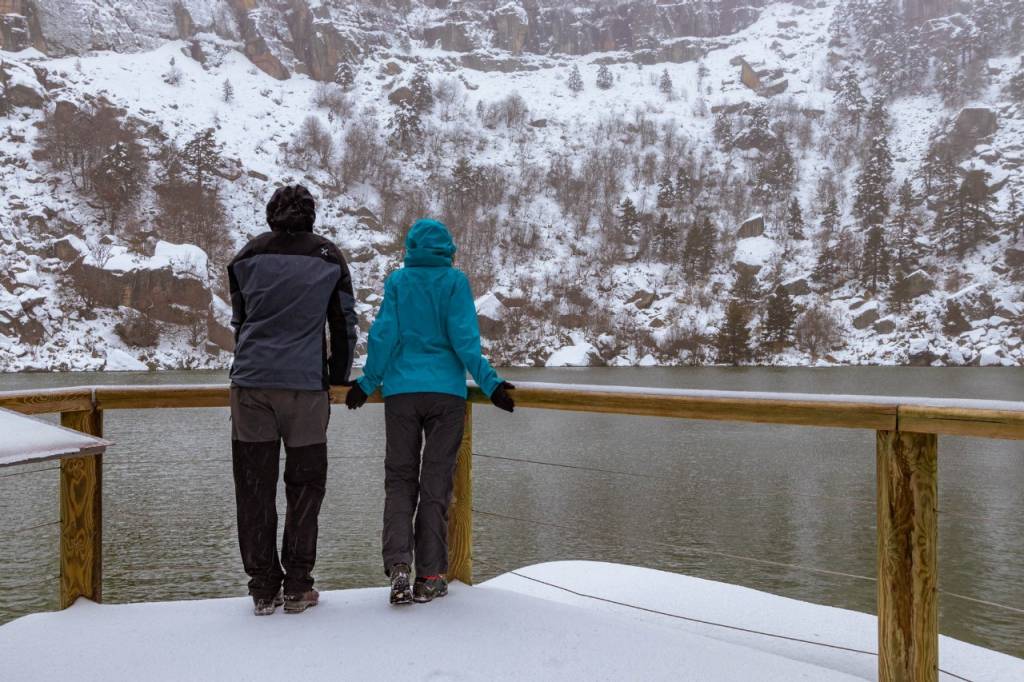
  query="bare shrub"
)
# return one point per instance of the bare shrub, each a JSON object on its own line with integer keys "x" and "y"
{"x": 449, "y": 97}
{"x": 364, "y": 153}
{"x": 817, "y": 331}
{"x": 138, "y": 329}
{"x": 332, "y": 97}
{"x": 689, "y": 341}
{"x": 311, "y": 146}
{"x": 510, "y": 112}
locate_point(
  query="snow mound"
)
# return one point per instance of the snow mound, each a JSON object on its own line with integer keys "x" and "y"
{"x": 754, "y": 251}
{"x": 120, "y": 361}
{"x": 580, "y": 354}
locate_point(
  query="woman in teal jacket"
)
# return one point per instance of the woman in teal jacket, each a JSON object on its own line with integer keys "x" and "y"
{"x": 421, "y": 345}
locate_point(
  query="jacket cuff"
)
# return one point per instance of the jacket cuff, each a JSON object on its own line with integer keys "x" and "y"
{"x": 368, "y": 386}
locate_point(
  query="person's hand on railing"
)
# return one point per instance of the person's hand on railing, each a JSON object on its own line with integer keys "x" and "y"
{"x": 501, "y": 399}
{"x": 356, "y": 397}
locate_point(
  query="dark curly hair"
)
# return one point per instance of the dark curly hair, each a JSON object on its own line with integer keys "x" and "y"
{"x": 291, "y": 209}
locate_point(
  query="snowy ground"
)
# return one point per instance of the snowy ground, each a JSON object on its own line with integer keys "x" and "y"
{"x": 509, "y": 628}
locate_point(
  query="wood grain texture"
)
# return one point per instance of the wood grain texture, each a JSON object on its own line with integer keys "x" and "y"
{"x": 460, "y": 513}
{"x": 952, "y": 421}
{"x": 864, "y": 415}
{"x": 908, "y": 623}
{"x": 47, "y": 401}
{"x": 81, "y": 516}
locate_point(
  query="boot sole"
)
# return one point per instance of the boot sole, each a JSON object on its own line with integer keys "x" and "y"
{"x": 402, "y": 600}
{"x": 427, "y": 600}
{"x": 299, "y": 608}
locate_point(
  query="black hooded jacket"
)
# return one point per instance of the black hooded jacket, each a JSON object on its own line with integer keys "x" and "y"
{"x": 286, "y": 287}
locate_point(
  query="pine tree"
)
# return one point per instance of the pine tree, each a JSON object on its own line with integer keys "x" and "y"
{"x": 465, "y": 187}
{"x": 1015, "y": 88}
{"x": 905, "y": 228}
{"x": 826, "y": 267}
{"x": 422, "y": 91}
{"x": 967, "y": 218}
{"x": 684, "y": 188}
{"x": 117, "y": 179}
{"x": 406, "y": 129}
{"x": 830, "y": 218}
{"x": 345, "y": 75}
{"x": 849, "y": 97}
{"x": 629, "y": 222}
{"x": 795, "y": 220}
{"x": 871, "y": 203}
{"x": 745, "y": 287}
{"x": 948, "y": 76}
{"x": 173, "y": 75}
{"x": 733, "y": 340}
{"x": 575, "y": 81}
{"x": 700, "y": 249}
{"x": 604, "y": 78}
{"x": 5, "y": 83}
{"x": 874, "y": 264}
{"x": 780, "y": 317}
{"x": 776, "y": 174}
{"x": 228, "y": 91}
{"x": 666, "y": 192}
{"x": 722, "y": 130}
{"x": 201, "y": 157}
{"x": 666, "y": 240}
{"x": 877, "y": 117}
{"x": 940, "y": 171}
{"x": 665, "y": 84}
{"x": 1014, "y": 215}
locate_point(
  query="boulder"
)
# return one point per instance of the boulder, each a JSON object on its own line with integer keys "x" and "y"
{"x": 1015, "y": 256}
{"x": 643, "y": 299}
{"x": 539, "y": 123}
{"x": 972, "y": 125}
{"x": 867, "y": 317}
{"x": 917, "y": 283}
{"x": 391, "y": 68}
{"x": 886, "y": 326}
{"x": 797, "y": 287}
{"x": 490, "y": 313}
{"x": 751, "y": 227}
{"x": 23, "y": 87}
{"x": 511, "y": 28}
{"x": 579, "y": 354}
{"x": 400, "y": 96}
{"x": 753, "y": 253}
{"x": 754, "y": 138}
{"x": 453, "y": 36}
{"x": 217, "y": 334}
{"x": 159, "y": 292}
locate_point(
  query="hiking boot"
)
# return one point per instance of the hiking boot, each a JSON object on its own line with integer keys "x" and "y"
{"x": 297, "y": 603}
{"x": 401, "y": 592}
{"x": 266, "y": 606}
{"x": 429, "y": 588}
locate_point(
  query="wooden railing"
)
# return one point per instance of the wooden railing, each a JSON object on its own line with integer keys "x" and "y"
{"x": 906, "y": 461}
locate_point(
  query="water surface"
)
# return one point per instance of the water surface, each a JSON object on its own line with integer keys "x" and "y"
{"x": 673, "y": 495}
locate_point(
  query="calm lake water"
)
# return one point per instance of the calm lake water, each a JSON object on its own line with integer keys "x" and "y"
{"x": 676, "y": 496}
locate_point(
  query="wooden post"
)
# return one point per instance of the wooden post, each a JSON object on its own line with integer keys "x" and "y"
{"x": 81, "y": 515}
{"x": 460, "y": 512}
{"x": 908, "y": 622}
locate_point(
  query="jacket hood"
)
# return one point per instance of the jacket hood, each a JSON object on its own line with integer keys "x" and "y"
{"x": 429, "y": 244}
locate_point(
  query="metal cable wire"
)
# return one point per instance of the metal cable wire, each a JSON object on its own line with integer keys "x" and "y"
{"x": 738, "y": 557}
{"x": 34, "y": 583}
{"x": 28, "y": 528}
{"x": 31, "y": 471}
{"x": 690, "y": 548}
{"x": 858, "y": 500}
{"x": 697, "y": 620}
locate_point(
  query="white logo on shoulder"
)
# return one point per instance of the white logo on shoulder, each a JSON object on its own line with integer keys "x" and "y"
{"x": 324, "y": 252}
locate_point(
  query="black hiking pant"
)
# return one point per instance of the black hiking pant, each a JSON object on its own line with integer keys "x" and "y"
{"x": 300, "y": 419}
{"x": 424, "y": 431}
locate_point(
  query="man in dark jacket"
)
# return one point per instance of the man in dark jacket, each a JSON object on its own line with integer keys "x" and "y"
{"x": 287, "y": 286}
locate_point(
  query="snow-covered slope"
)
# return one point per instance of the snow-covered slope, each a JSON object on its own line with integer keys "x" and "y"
{"x": 543, "y": 237}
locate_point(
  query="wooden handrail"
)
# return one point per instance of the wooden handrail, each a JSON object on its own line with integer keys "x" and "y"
{"x": 906, "y": 465}
{"x": 980, "y": 418}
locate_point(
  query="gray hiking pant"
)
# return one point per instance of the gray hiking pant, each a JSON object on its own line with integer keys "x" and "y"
{"x": 260, "y": 420}
{"x": 424, "y": 431}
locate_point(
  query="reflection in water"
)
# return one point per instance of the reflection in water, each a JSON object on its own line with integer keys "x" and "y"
{"x": 701, "y": 498}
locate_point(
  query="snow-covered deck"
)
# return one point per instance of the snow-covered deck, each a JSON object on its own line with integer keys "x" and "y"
{"x": 24, "y": 440}
{"x": 509, "y": 628}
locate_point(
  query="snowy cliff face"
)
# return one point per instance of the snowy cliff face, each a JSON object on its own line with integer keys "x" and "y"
{"x": 630, "y": 183}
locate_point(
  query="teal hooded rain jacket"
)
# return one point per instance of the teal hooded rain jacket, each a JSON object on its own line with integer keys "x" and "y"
{"x": 426, "y": 334}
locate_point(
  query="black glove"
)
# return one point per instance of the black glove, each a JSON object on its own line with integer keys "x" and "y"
{"x": 356, "y": 397}
{"x": 501, "y": 399}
